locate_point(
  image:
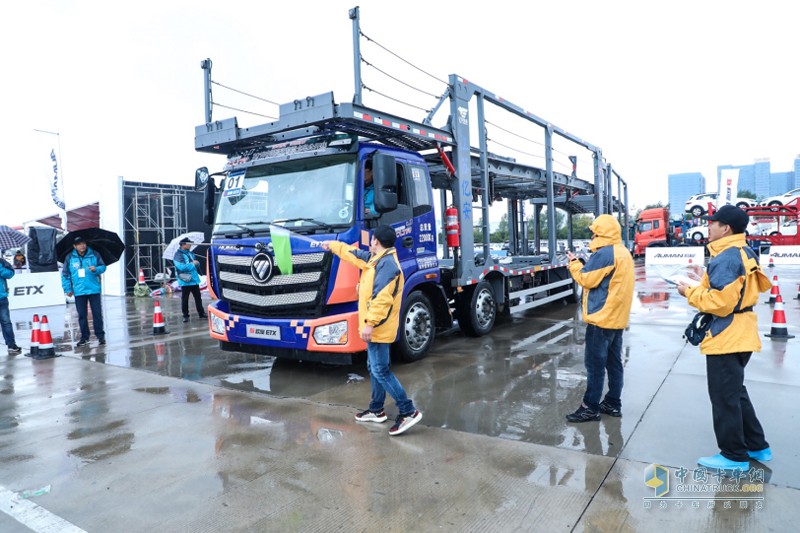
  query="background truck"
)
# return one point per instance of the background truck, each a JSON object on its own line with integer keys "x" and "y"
{"x": 654, "y": 228}
{"x": 304, "y": 173}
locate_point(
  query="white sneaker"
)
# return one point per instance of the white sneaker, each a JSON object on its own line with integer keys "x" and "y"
{"x": 370, "y": 416}
{"x": 404, "y": 423}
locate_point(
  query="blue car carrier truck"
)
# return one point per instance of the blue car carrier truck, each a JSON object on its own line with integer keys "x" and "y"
{"x": 303, "y": 173}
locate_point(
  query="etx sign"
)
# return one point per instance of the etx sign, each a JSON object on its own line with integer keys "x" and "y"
{"x": 40, "y": 289}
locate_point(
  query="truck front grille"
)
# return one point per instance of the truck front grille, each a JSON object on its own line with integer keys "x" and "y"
{"x": 301, "y": 294}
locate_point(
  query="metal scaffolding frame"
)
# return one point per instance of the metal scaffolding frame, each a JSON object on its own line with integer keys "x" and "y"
{"x": 154, "y": 215}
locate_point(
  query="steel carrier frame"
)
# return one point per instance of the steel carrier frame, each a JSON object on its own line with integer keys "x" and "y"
{"x": 474, "y": 170}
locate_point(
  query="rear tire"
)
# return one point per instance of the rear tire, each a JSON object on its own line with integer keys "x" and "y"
{"x": 417, "y": 328}
{"x": 477, "y": 310}
{"x": 742, "y": 205}
{"x": 698, "y": 211}
{"x": 697, "y": 236}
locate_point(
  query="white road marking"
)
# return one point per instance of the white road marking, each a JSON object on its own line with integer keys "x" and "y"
{"x": 33, "y": 516}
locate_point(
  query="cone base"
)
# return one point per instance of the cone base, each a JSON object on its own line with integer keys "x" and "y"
{"x": 779, "y": 336}
{"x": 160, "y": 332}
{"x": 45, "y": 354}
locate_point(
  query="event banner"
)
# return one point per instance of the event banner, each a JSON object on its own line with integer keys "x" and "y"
{"x": 39, "y": 289}
{"x": 781, "y": 255}
{"x": 678, "y": 255}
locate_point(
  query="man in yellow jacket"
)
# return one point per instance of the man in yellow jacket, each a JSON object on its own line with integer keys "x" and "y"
{"x": 380, "y": 294}
{"x": 607, "y": 280}
{"x": 728, "y": 291}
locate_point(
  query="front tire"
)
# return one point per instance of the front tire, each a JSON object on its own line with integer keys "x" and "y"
{"x": 477, "y": 311}
{"x": 417, "y": 328}
{"x": 697, "y": 236}
{"x": 742, "y": 205}
{"x": 698, "y": 211}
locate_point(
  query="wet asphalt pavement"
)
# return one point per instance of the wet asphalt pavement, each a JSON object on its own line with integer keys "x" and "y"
{"x": 169, "y": 433}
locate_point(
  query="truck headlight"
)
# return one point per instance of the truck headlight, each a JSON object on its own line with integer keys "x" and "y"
{"x": 335, "y": 333}
{"x": 217, "y": 324}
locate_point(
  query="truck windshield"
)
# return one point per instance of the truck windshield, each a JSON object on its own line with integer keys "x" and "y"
{"x": 308, "y": 195}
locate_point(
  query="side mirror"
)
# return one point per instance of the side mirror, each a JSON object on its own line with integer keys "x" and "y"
{"x": 209, "y": 200}
{"x": 200, "y": 178}
{"x": 384, "y": 178}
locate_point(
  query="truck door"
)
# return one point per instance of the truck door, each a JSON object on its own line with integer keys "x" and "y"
{"x": 424, "y": 230}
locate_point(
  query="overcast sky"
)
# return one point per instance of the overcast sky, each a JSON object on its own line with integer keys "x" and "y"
{"x": 661, "y": 87}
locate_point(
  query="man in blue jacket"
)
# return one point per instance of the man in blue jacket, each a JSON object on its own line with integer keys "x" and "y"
{"x": 80, "y": 277}
{"x": 188, "y": 279}
{"x": 7, "y": 272}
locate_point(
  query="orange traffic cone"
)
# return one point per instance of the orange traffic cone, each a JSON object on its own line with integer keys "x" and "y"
{"x": 35, "y": 336}
{"x": 775, "y": 292}
{"x": 141, "y": 277}
{"x": 779, "y": 330}
{"x": 771, "y": 262}
{"x": 159, "y": 328}
{"x": 46, "y": 349}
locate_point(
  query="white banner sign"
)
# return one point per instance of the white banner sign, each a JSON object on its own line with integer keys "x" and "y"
{"x": 679, "y": 255}
{"x": 35, "y": 290}
{"x": 781, "y": 255}
{"x": 729, "y": 186}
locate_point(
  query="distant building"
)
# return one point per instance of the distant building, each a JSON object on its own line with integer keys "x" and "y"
{"x": 759, "y": 179}
{"x": 680, "y": 188}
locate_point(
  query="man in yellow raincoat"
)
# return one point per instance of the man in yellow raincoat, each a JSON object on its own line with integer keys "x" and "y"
{"x": 380, "y": 294}
{"x": 728, "y": 291}
{"x": 607, "y": 280}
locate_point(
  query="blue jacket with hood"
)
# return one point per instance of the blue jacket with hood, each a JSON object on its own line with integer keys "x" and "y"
{"x": 89, "y": 282}
{"x": 184, "y": 264}
{"x": 6, "y": 272}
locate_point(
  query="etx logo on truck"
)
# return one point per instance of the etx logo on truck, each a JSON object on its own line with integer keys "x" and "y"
{"x": 262, "y": 268}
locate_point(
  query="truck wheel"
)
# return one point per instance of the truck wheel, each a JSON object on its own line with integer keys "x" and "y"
{"x": 417, "y": 328}
{"x": 698, "y": 211}
{"x": 477, "y": 310}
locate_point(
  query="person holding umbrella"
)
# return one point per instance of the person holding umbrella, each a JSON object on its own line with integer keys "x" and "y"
{"x": 81, "y": 277}
{"x": 188, "y": 278}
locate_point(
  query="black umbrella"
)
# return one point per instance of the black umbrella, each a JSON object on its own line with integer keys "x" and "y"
{"x": 105, "y": 243}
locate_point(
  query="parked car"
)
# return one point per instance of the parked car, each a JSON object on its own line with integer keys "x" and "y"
{"x": 788, "y": 228}
{"x": 697, "y": 205}
{"x": 781, "y": 199}
{"x": 700, "y": 233}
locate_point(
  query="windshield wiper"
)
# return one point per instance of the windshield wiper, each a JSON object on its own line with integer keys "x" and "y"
{"x": 323, "y": 225}
{"x": 248, "y": 229}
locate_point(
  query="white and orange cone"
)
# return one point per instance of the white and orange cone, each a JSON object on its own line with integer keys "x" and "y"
{"x": 771, "y": 262}
{"x": 775, "y": 292}
{"x": 159, "y": 328}
{"x": 35, "y": 332}
{"x": 141, "y": 277}
{"x": 46, "y": 349}
{"x": 779, "y": 331}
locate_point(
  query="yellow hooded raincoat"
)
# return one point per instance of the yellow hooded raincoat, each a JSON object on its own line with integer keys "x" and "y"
{"x": 380, "y": 289}
{"x": 728, "y": 290}
{"x": 607, "y": 277}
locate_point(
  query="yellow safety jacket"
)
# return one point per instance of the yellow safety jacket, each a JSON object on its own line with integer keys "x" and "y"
{"x": 607, "y": 277}
{"x": 728, "y": 290}
{"x": 380, "y": 290}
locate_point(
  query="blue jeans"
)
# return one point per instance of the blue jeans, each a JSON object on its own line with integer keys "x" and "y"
{"x": 5, "y": 321}
{"x": 603, "y": 354}
{"x": 93, "y": 300}
{"x": 383, "y": 380}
